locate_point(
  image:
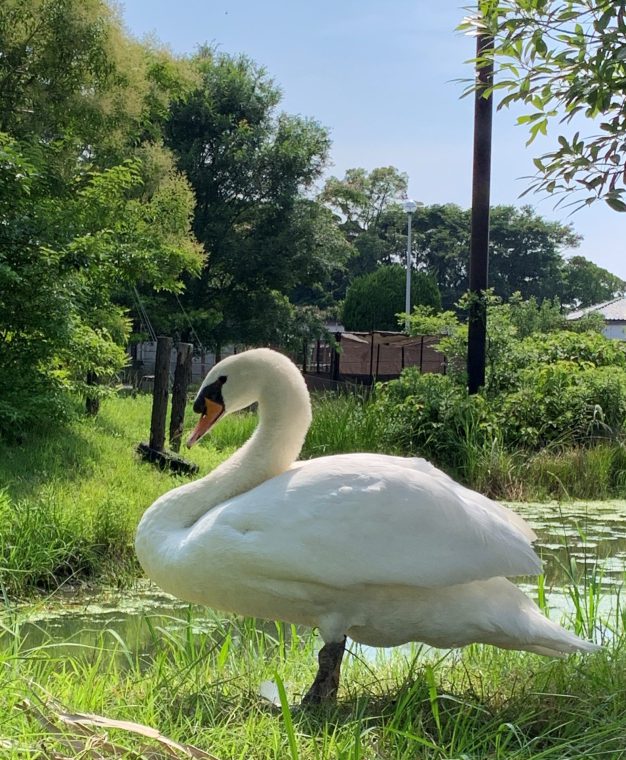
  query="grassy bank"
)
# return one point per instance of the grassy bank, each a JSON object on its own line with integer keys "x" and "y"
{"x": 404, "y": 705}
{"x": 70, "y": 504}
{"x": 70, "y": 498}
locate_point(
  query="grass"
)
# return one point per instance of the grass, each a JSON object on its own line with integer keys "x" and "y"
{"x": 70, "y": 502}
{"x": 203, "y": 689}
{"x": 71, "y": 497}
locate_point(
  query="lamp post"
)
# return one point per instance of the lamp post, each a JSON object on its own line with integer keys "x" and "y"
{"x": 409, "y": 207}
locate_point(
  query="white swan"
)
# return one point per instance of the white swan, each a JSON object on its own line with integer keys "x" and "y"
{"x": 383, "y": 549}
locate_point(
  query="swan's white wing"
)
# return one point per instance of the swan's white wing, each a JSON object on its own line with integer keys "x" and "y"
{"x": 423, "y": 465}
{"x": 344, "y": 521}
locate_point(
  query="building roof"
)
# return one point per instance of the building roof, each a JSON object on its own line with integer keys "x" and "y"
{"x": 612, "y": 311}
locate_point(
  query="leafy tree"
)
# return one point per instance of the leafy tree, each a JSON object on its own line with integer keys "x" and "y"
{"x": 61, "y": 260}
{"x": 426, "y": 320}
{"x": 69, "y": 74}
{"x": 525, "y": 252}
{"x": 363, "y": 203}
{"x": 361, "y": 197}
{"x": 564, "y": 59}
{"x": 248, "y": 166}
{"x": 585, "y": 283}
{"x": 374, "y": 301}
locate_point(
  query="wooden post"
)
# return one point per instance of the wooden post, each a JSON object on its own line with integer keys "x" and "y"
{"x": 182, "y": 374}
{"x": 479, "y": 242}
{"x": 159, "y": 396}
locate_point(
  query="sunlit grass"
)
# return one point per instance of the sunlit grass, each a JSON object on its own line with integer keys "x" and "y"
{"x": 199, "y": 683}
{"x": 69, "y": 508}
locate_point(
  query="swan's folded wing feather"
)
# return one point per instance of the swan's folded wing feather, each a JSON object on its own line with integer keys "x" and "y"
{"x": 321, "y": 523}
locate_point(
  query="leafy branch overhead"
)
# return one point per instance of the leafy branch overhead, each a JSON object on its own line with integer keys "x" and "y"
{"x": 565, "y": 60}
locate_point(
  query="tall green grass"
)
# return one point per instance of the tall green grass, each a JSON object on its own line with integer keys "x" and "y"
{"x": 71, "y": 497}
{"x": 341, "y": 424}
{"x": 200, "y": 682}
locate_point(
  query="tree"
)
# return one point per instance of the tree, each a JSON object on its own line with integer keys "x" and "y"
{"x": 565, "y": 58}
{"x": 361, "y": 197}
{"x": 361, "y": 202}
{"x": 61, "y": 261}
{"x": 525, "y": 253}
{"x": 525, "y": 250}
{"x": 374, "y": 301}
{"x": 89, "y": 208}
{"x": 69, "y": 74}
{"x": 585, "y": 283}
{"x": 248, "y": 166}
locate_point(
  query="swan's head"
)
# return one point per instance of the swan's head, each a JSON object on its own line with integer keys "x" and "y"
{"x": 237, "y": 382}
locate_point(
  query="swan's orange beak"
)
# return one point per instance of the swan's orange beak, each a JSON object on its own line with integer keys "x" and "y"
{"x": 212, "y": 414}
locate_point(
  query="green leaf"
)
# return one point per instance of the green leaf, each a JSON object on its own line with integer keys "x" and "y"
{"x": 616, "y": 204}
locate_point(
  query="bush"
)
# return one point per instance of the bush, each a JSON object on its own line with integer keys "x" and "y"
{"x": 564, "y": 403}
{"x": 374, "y": 300}
{"x": 432, "y": 416}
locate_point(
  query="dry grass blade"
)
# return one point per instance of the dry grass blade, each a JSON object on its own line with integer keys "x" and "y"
{"x": 98, "y": 747}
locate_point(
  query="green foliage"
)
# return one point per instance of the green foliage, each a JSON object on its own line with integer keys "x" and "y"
{"x": 361, "y": 197}
{"x": 564, "y": 59}
{"x": 89, "y": 208}
{"x": 373, "y": 301}
{"x": 428, "y": 413}
{"x": 586, "y": 284}
{"x": 249, "y": 166}
{"x": 425, "y": 320}
{"x": 69, "y": 73}
{"x": 525, "y": 252}
{"x": 564, "y": 403}
{"x": 62, "y": 258}
{"x": 547, "y": 384}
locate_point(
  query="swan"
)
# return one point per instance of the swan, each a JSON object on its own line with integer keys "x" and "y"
{"x": 382, "y": 549}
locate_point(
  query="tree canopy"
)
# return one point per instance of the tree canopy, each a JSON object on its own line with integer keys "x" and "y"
{"x": 88, "y": 206}
{"x": 374, "y": 300}
{"x": 565, "y": 60}
{"x": 248, "y": 165}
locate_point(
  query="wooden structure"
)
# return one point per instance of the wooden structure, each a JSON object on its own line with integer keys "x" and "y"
{"x": 154, "y": 451}
{"x": 182, "y": 376}
{"x": 365, "y": 357}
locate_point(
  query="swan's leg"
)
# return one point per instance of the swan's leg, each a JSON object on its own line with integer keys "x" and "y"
{"x": 326, "y": 682}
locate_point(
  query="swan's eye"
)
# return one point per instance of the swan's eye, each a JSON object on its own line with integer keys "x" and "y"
{"x": 212, "y": 392}
{"x": 222, "y": 379}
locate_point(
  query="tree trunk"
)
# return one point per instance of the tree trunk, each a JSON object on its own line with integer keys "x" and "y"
{"x": 182, "y": 375}
{"x": 159, "y": 396}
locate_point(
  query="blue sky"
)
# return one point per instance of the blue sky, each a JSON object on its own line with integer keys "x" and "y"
{"x": 382, "y": 77}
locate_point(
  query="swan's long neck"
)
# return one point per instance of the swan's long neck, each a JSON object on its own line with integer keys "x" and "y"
{"x": 284, "y": 417}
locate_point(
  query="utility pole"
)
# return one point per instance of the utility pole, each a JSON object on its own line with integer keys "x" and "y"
{"x": 479, "y": 245}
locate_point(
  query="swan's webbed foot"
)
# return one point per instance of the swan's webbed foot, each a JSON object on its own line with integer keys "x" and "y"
{"x": 326, "y": 684}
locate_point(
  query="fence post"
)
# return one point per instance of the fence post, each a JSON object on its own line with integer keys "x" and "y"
{"x": 182, "y": 374}
{"x": 159, "y": 396}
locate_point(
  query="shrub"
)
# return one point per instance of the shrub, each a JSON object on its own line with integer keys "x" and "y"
{"x": 433, "y": 416}
{"x": 374, "y": 300}
{"x": 564, "y": 403}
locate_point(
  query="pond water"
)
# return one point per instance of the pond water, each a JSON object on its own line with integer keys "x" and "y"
{"x": 583, "y": 542}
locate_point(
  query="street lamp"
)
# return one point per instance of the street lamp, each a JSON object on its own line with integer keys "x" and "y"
{"x": 409, "y": 207}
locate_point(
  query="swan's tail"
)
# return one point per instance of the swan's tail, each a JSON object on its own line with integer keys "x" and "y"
{"x": 554, "y": 641}
{"x": 520, "y": 624}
